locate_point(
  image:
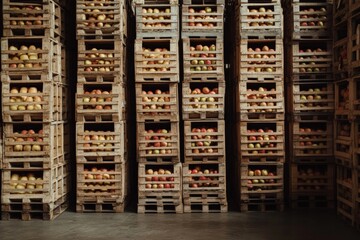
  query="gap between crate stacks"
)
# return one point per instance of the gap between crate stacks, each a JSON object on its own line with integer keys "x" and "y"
{"x": 30, "y": 55}
{"x": 204, "y": 140}
{"x": 158, "y": 142}
{"x": 203, "y": 100}
{"x": 157, "y": 101}
{"x": 259, "y": 19}
{"x": 156, "y": 60}
{"x": 107, "y": 20}
{"x": 160, "y": 188}
{"x": 312, "y": 186}
{"x": 107, "y": 100}
{"x": 345, "y": 193}
{"x": 202, "y": 20}
{"x": 45, "y": 20}
{"x": 340, "y": 12}
{"x": 157, "y": 19}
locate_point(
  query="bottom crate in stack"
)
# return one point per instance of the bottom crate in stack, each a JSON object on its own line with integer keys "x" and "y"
{"x": 312, "y": 186}
{"x": 159, "y": 188}
{"x": 262, "y": 186}
{"x": 34, "y": 194}
{"x": 345, "y": 193}
{"x": 102, "y": 187}
{"x": 204, "y": 187}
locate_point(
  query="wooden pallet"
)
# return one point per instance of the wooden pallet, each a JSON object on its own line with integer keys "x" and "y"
{"x": 164, "y": 23}
{"x": 152, "y": 104}
{"x": 100, "y": 78}
{"x": 312, "y": 138}
{"x": 100, "y": 205}
{"x": 112, "y": 142}
{"x": 147, "y": 142}
{"x": 216, "y": 62}
{"x": 310, "y": 77}
{"x": 156, "y": 2}
{"x": 100, "y": 159}
{"x": 312, "y": 202}
{"x": 111, "y": 104}
{"x": 261, "y": 202}
{"x": 160, "y": 202}
{"x": 48, "y": 54}
{"x": 261, "y": 160}
{"x": 201, "y": 24}
{"x": 213, "y": 207}
{"x": 205, "y": 78}
{"x": 251, "y": 148}
{"x": 113, "y": 27}
{"x": 205, "y": 201}
{"x": 89, "y": 63}
{"x": 217, "y": 139}
{"x": 313, "y": 159}
{"x": 197, "y": 105}
{"x": 17, "y": 21}
{"x": 49, "y": 107}
{"x": 248, "y": 22}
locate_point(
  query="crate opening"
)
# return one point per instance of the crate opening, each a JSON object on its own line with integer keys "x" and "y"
{"x": 103, "y": 127}
{"x": 149, "y": 89}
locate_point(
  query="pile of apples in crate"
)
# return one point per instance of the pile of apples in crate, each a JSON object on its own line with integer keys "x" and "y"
{"x": 97, "y": 142}
{"x": 345, "y": 129}
{"x": 26, "y": 182}
{"x": 314, "y": 94}
{"x": 316, "y": 17}
{"x": 205, "y": 61}
{"x": 201, "y": 14}
{"x": 306, "y": 66}
{"x": 311, "y": 176}
{"x": 97, "y": 102}
{"x": 206, "y": 140}
{"x": 155, "y": 16}
{"x": 24, "y": 54}
{"x": 260, "y": 173}
{"x": 98, "y": 58}
{"x": 33, "y": 19}
{"x": 25, "y": 102}
{"x": 158, "y": 143}
{"x": 261, "y": 56}
{"x": 262, "y": 142}
{"x": 157, "y": 58}
{"x": 32, "y": 141}
{"x": 161, "y": 176}
{"x": 97, "y": 17}
{"x": 99, "y": 174}
{"x": 311, "y": 138}
{"x": 203, "y": 177}
{"x": 260, "y": 14}
{"x": 155, "y": 101}
{"x": 203, "y": 102}
{"x": 263, "y": 94}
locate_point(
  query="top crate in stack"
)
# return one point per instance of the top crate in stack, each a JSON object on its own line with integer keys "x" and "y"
{"x": 263, "y": 18}
{"x": 37, "y": 18}
{"x": 202, "y": 18}
{"x": 101, "y": 20}
{"x": 157, "y": 18}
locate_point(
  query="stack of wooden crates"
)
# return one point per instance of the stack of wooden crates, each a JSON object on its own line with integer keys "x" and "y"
{"x": 347, "y": 108}
{"x": 34, "y": 111}
{"x": 101, "y": 162}
{"x": 260, "y": 105}
{"x": 157, "y": 106}
{"x": 203, "y": 106}
{"x": 310, "y": 104}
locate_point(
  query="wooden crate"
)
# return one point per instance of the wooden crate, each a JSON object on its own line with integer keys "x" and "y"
{"x": 53, "y": 181}
{"x": 45, "y": 148}
{"x": 150, "y": 146}
{"x": 316, "y": 25}
{"x": 344, "y": 97}
{"x": 89, "y": 26}
{"x": 155, "y": 2}
{"x": 312, "y": 97}
{"x": 340, "y": 12}
{"x": 255, "y": 143}
{"x": 312, "y": 138}
{"x": 100, "y": 205}
{"x": 344, "y": 133}
{"x": 262, "y": 160}
{"x": 205, "y": 202}
{"x": 147, "y": 57}
{"x": 345, "y": 193}
{"x": 204, "y": 78}
{"x": 203, "y": 2}
{"x": 312, "y": 180}
{"x": 312, "y": 56}
{"x": 46, "y": 105}
{"x": 100, "y": 139}
{"x": 109, "y": 101}
{"x": 311, "y": 77}
{"x": 164, "y": 22}
{"x": 354, "y": 5}
{"x": 46, "y": 20}
{"x": 202, "y": 20}
{"x": 157, "y": 101}
{"x": 260, "y": 100}
{"x": 256, "y": 60}
{"x": 103, "y": 56}
{"x": 204, "y": 177}
{"x": 251, "y": 22}
{"x": 199, "y": 142}
{"x": 212, "y": 65}
{"x": 354, "y": 44}
{"x": 355, "y": 93}
{"x": 47, "y": 54}
{"x": 100, "y": 78}
{"x": 341, "y": 63}
{"x": 157, "y": 202}
{"x": 199, "y": 105}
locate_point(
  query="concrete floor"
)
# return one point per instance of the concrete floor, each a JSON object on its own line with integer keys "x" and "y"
{"x": 308, "y": 225}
